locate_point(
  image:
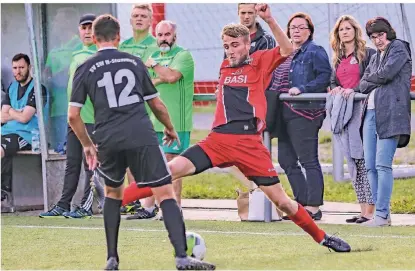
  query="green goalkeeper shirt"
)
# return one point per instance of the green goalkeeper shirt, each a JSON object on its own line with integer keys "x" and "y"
{"x": 178, "y": 96}
{"x": 79, "y": 57}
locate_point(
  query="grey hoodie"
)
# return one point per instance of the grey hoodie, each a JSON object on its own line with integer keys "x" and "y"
{"x": 391, "y": 77}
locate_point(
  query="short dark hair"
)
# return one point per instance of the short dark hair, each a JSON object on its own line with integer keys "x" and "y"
{"x": 20, "y": 56}
{"x": 306, "y": 17}
{"x": 106, "y": 28}
{"x": 239, "y": 4}
{"x": 380, "y": 24}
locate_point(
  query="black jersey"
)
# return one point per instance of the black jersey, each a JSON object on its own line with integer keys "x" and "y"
{"x": 118, "y": 84}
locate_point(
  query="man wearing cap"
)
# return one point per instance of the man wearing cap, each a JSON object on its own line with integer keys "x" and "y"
{"x": 74, "y": 153}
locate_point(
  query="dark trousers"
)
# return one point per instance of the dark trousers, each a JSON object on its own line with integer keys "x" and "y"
{"x": 6, "y": 173}
{"x": 299, "y": 143}
{"x": 74, "y": 159}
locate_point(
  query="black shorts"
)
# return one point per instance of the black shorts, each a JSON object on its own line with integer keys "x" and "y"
{"x": 12, "y": 143}
{"x": 148, "y": 165}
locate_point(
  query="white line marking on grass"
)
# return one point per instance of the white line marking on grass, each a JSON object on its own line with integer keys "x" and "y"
{"x": 209, "y": 231}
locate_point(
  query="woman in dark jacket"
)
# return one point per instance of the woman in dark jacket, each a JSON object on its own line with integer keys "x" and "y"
{"x": 307, "y": 70}
{"x": 387, "y": 119}
{"x": 350, "y": 59}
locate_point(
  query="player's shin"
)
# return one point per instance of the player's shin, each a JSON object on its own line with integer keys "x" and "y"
{"x": 295, "y": 211}
{"x": 303, "y": 219}
{"x": 112, "y": 218}
{"x": 173, "y": 219}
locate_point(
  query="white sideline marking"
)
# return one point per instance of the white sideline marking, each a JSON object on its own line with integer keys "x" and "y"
{"x": 209, "y": 231}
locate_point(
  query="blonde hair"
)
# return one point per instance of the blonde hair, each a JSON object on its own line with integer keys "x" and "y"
{"x": 338, "y": 46}
{"x": 145, "y": 7}
{"x": 235, "y": 31}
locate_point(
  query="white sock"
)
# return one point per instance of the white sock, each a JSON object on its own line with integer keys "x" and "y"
{"x": 150, "y": 209}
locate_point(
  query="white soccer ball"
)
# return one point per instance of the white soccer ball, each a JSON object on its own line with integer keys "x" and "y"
{"x": 196, "y": 246}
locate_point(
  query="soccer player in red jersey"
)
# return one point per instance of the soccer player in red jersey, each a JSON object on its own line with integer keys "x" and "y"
{"x": 236, "y": 139}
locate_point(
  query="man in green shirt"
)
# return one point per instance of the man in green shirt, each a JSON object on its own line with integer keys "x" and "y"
{"x": 142, "y": 44}
{"x": 63, "y": 41}
{"x": 74, "y": 156}
{"x": 171, "y": 68}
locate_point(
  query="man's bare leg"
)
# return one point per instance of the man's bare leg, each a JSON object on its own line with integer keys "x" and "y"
{"x": 300, "y": 216}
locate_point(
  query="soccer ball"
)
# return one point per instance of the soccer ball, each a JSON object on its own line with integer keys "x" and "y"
{"x": 196, "y": 246}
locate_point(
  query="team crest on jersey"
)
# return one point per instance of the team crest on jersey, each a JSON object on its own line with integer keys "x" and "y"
{"x": 238, "y": 72}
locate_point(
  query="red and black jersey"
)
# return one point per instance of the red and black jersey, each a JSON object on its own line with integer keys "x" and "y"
{"x": 240, "y": 95}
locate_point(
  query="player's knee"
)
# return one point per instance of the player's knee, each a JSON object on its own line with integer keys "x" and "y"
{"x": 114, "y": 192}
{"x": 284, "y": 204}
{"x": 113, "y": 189}
{"x": 163, "y": 192}
{"x": 264, "y": 181}
{"x": 180, "y": 167}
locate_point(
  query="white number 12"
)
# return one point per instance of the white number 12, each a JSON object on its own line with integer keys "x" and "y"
{"x": 125, "y": 98}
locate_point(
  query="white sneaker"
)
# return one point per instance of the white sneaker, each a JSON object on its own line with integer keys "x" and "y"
{"x": 378, "y": 221}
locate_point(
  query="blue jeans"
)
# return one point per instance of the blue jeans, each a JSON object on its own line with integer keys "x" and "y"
{"x": 378, "y": 155}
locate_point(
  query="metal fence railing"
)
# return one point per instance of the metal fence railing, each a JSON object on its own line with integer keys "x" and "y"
{"x": 338, "y": 167}
{"x": 338, "y": 172}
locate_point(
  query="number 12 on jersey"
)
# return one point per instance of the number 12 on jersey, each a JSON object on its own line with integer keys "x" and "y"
{"x": 125, "y": 98}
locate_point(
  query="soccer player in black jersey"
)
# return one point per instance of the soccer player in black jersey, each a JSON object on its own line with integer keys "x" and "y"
{"x": 118, "y": 84}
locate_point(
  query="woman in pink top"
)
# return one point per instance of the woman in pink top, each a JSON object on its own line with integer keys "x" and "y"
{"x": 350, "y": 59}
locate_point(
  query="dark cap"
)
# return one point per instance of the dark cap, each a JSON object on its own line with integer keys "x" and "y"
{"x": 87, "y": 19}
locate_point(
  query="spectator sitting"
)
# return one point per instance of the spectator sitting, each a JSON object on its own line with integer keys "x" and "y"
{"x": 18, "y": 117}
{"x": 350, "y": 59}
{"x": 387, "y": 116}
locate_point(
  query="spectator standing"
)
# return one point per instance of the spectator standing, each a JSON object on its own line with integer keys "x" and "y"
{"x": 142, "y": 44}
{"x": 350, "y": 59}
{"x": 74, "y": 155}
{"x": 387, "y": 112}
{"x": 260, "y": 39}
{"x": 172, "y": 72}
{"x": 306, "y": 70}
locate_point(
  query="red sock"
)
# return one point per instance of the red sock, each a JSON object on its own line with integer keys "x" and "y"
{"x": 133, "y": 193}
{"x": 304, "y": 220}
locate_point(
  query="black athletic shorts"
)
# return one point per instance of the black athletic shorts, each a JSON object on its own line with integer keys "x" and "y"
{"x": 12, "y": 143}
{"x": 147, "y": 164}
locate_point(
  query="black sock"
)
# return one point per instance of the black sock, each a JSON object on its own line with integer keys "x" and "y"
{"x": 112, "y": 217}
{"x": 173, "y": 220}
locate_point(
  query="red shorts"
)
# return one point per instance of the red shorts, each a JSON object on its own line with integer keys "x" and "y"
{"x": 247, "y": 152}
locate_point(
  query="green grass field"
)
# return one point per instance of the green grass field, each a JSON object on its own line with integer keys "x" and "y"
{"x": 223, "y": 186}
{"x": 34, "y": 243}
